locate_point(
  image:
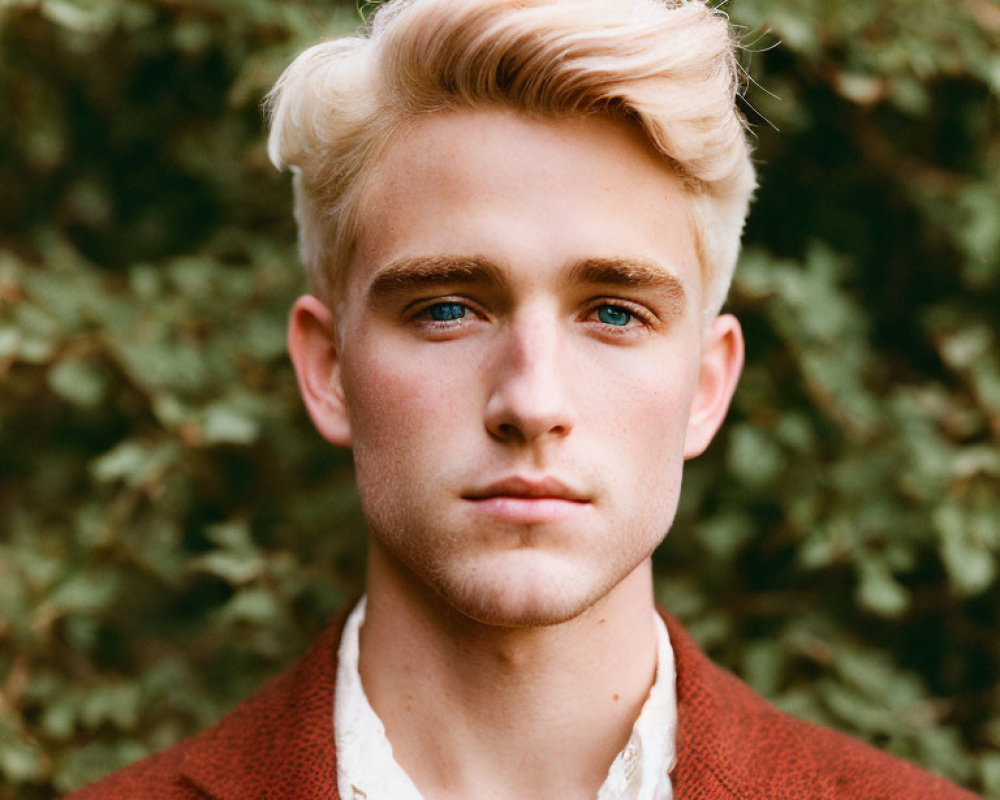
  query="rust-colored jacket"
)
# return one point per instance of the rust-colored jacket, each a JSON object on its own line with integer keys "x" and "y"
{"x": 731, "y": 745}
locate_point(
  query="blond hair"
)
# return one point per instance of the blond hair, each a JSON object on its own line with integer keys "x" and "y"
{"x": 669, "y": 66}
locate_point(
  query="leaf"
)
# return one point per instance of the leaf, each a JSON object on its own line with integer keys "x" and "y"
{"x": 136, "y": 463}
{"x": 879, "y": 591}
{"x": 255, "y": 606}
{"x": 78, "y": 382}
{"x": 753, "y": 456}
{"x": 225, "y": 424}
{"x": 967, "y": 556}
{"x": 82, "y": 593}
{"x": 20, "y": 760}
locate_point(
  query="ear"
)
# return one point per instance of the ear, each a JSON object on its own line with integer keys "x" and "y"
{"x": 312, "y": 344}
{"x": 721, "y": 365}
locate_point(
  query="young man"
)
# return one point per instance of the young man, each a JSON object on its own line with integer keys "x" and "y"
{"x": 520, "y": 220}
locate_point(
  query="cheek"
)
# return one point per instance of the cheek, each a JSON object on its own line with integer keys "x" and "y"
{"x": 649, "y": 402}
{"x": 656, "y": 438}
{"x": 650, "y": 413}
{"x": 650, "y": 480}
{"x": 396, "y": 403}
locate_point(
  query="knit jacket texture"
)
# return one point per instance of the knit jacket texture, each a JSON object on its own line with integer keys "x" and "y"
{"x": 731, "y": 745}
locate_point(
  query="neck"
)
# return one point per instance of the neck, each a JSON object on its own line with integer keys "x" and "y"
{"x": 526, "y": 711}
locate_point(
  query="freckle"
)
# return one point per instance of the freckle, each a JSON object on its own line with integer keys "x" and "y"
{"x": 601, "y": 621}
{"x": 615, "y": 697}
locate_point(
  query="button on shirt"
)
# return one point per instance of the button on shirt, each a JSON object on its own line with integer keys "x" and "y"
{"x": 366, "y": 768}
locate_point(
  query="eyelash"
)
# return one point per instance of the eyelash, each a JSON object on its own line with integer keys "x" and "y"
{"x": 639, "y": 314}
{"x": 420, "y": 313}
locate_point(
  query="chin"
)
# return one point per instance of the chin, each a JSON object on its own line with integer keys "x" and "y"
{"x": 523, "y": 590}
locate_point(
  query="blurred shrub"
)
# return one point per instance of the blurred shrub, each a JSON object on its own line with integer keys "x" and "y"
{"x": 172, "y": 531}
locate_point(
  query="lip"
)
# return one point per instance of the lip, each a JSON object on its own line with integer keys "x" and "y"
{"x": 523, "y": 500}
{"x": 527, "y": 488}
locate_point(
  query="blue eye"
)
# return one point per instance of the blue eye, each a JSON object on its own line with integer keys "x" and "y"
{"x": 614, "y": 315}
{"x": 447, "y": 312}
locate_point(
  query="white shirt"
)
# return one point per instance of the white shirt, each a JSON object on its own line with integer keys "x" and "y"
{"x": 367, "y": 769}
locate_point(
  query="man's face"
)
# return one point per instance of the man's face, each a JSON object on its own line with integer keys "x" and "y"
{"x": 521, "y": 360}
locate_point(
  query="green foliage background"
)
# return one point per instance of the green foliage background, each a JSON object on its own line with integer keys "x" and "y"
{"x": 172, "y": 531}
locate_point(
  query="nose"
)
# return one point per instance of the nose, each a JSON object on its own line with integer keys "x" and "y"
{"x": 530, "y": 397}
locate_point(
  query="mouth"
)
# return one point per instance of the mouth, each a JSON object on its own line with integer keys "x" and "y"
{"x": 527, "y": 500}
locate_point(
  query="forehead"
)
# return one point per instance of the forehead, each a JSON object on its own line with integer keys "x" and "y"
{"x": 524, "y": 191}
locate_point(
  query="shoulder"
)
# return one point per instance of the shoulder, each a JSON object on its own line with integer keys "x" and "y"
{"x": 276, "y": 743}
{"x": 731, "y": 739}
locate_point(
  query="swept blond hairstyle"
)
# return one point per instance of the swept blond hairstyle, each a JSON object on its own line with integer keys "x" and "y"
{"x": 669, "y": 65}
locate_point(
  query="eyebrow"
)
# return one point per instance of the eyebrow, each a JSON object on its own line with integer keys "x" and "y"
{"x": 406, "y": 275}
{"x": 633, "y": 273}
